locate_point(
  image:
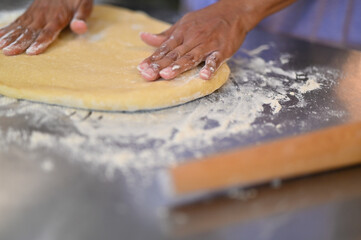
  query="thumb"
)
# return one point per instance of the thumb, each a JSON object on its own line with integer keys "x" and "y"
{"x": 78, "y": 24}
{"x": 155, "y": 40}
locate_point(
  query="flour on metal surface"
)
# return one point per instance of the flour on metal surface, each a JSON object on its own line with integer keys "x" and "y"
{"x": 149, "y": 140}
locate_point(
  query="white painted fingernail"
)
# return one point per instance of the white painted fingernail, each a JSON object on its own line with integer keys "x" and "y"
{"x": 205, "y": 73}
{"x": 77, "y": 20}
{"x": 149, "y": 74}
{"x": 166, "y": 71}
{"x": 145, "y": 33}
{"x": 8, "y": 48}
{"x": 155, "y": 66}
{"x": 143, "y": 66}
{"x": 33, "y": 49}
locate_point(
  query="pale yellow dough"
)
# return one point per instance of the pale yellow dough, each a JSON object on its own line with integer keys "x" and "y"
{"x": 98, "y": 70}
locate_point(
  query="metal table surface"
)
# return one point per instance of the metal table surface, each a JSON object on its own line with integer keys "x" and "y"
{"x": 50, "y": 192}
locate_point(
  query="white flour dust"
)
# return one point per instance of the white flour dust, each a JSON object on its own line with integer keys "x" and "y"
{"x": 153, "y": 139}
{"x": 149, "y": 140}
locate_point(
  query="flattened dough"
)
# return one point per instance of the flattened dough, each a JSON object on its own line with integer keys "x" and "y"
{"x": 98, "y": 70}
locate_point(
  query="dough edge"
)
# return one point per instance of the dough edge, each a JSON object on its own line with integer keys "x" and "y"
{"x": 126, "y": 101}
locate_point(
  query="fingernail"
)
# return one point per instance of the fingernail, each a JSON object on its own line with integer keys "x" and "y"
{"x": 205, "y": 74}
{"x": 144, "y": 33}
{"x": 148, "y": 34}
{"x": 77, "y": 20}
{"x": 149, "y": 74}
{"x": 8, "y": 49}
{"x": 32, "y": 49}
{"x": 143, "y": 66}
{"x": 166, "y": 73}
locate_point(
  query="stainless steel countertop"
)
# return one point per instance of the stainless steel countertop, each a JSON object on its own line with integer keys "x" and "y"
{"x": 79, "y": 201}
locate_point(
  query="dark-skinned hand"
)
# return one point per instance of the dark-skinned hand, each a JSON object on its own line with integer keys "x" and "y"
{"x": 212, "y": 34}
{"x": 42, "y": 22}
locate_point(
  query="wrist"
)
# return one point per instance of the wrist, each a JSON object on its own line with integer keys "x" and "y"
{"x": 241, "y": 13}
{"x": 250, "y": 12}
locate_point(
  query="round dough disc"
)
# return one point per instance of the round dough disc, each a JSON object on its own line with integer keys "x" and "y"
{"x": 99, "y": 69}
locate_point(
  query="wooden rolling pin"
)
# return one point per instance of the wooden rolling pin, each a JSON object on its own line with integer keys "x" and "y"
{"x": 314, "y": 152}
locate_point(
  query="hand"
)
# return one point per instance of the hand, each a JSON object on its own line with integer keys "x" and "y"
{"x": 40, "y": 25}
{"x": 212, "y": 34}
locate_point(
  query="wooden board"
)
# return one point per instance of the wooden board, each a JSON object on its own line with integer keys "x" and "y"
{"x": 291, "y": 157}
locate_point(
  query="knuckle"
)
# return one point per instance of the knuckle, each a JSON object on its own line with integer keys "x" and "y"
{"x": 155, "y": 66}
{"x": 47, "y": 34}
{"x": 186, "y": 46}
{"x": 174, "y": 55}
{"x": 160, "y": 52}
{"x": 164, "y": 48}
{"x": 62, "y": 17}
{"x": 19, "y": 20}
{"x": 30, "y": 31}
{"x": 177, "y": 38}
{"x": 189, "y": 57}
{"x": 11, "y": 37}
{"x": 156, "y": 56}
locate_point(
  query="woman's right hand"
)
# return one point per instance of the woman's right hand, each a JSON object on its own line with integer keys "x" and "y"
{"x": 42, "y": 22}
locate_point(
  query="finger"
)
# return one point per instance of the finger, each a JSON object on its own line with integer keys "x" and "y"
{"x": 10, "y": 37}
{"x": 78, "y": 24}
{"x": 155, "y": 40}
{"x": 8, "y": 28}
{"x": 185, "y": 63}
{"x": 149, "y": 68}
{"x": 21, "y": 44}
{"x": 151, "y": 73}
{"x": 5, "y": 30}
{"x": 213, "y": 62}
{"x": 172, "y": 56}
{"x": 2, "y": 32}
{"x": 45, "y": 38}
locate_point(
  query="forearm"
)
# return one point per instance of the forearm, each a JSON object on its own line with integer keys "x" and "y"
{"x": 251, "y": 12}
{"x": 211, "y": 35}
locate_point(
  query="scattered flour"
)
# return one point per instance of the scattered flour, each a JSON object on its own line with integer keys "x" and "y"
{"x": 259, "y": 50}
{"x": 310, "y": 85}
{"x": 137, "y": 27}
{"x": 148, "y": 140}
{"x": 47, "y": 166}
{"x": 157, "y": 139}
{"x": 94, "y": 37}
